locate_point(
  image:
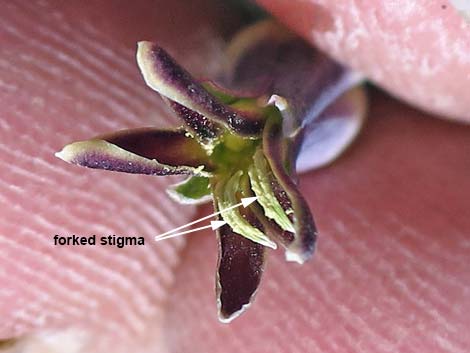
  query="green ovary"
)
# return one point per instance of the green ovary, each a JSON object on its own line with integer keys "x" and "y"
{"x": 233, "y": 153}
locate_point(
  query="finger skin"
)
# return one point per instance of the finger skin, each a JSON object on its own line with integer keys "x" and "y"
{"x": 417, "y": 50}
{"x": 55, "y": 87}
{"x": 391, "y": 270}
{"x": 68, "y": 72}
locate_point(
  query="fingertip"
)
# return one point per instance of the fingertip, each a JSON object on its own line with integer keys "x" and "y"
{"x": 417, "y": 51}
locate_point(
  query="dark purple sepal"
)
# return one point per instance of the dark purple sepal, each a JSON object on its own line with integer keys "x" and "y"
{"x": 268, "y": 226}
{"x": 171, "y": 147}
{"x": 140, "y": 151}
{"x": 274, "y": 144}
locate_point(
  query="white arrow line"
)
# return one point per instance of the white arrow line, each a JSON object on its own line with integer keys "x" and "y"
{"x": 214, "y": 225}
{"x": 245, "y": 202}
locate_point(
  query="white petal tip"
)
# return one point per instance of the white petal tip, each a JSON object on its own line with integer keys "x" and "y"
{"x": 65, "y": 154}
{"x": 294, "y": 257}
{"x": 233, "y": 316}
{"x": 279, "y": 102}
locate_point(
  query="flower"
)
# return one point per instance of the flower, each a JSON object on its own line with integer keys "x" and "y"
{"x": 234, "y": 145}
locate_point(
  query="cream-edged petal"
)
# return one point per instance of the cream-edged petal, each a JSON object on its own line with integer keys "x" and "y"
{"x": 302, "y": 246}
{"x": 239, "y": 270}
{"x": 164, "y": 75}
{"x": 139, "y": 151}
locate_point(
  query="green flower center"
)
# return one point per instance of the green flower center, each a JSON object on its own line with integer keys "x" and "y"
{"x": 233, "y": 153}
{"x": 243, "y": 171}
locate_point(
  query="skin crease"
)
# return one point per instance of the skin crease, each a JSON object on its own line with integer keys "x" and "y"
{"x": 390, "y": 273}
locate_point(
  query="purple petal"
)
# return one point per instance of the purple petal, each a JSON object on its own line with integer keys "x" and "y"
{"x": 172, "y": 147}
{"x": 303, "y": 244}
{"x": 240, "y": 266}
{"x": 164, "y": 75}
{"x": 140, "y": 151}
{"x": 326, "y": 137}
{"x": 198, "y": 124}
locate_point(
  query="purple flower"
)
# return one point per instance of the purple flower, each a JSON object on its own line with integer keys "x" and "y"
{"x": 234, "y": 144}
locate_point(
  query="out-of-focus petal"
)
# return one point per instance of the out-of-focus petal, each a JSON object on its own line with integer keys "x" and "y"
{"x": 266, "y": 56}
{"x": 303, "y": 244}
{"x": 140, "y": 151}
{"x": 240, "y": 266}
{"x": 164, "y": 75}
{"x": 326, "y": 137}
